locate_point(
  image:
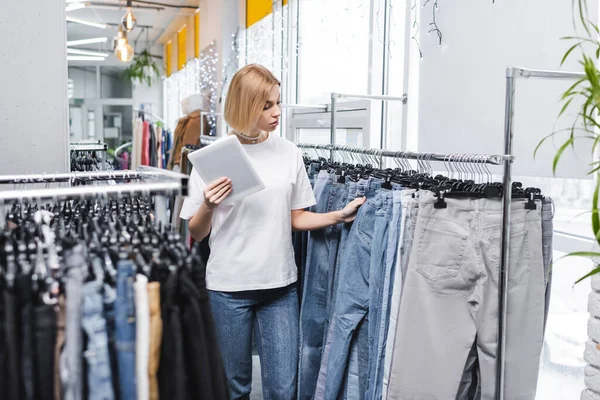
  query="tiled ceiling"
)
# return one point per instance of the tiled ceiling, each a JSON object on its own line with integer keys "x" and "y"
{"x": 156, "y": 17}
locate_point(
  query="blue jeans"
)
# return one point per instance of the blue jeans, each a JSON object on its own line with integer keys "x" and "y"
{"x": 274, "y": 314}
{"x": 355, "y": 279}
{"x": 99, "y": 377}
{"x": 379, "y": 305}
{"x": 125, "y": 329}
{"x": 318, "y": 287}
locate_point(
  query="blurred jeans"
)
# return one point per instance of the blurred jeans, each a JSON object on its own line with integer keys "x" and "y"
{"x": 125, "y": 321}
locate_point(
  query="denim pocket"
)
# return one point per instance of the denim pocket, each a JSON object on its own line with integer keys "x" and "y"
{"x": 440, "y": 254}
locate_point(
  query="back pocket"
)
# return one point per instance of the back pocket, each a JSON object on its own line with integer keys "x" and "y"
{"x": 440, "y": 254}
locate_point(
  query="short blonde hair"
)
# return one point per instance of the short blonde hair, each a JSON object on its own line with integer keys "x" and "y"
{"x": 247, "y": 96}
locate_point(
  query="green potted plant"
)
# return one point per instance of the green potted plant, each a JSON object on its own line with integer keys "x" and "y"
{"x": 143, "y": 68}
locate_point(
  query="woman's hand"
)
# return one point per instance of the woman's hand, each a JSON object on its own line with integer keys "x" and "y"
{"x": 216, "y": 192}
{"x": 348, "y": 213}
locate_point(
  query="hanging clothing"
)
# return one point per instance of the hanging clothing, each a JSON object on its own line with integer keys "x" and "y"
{"x": 104, "y": 336}
{"x": 145, "y": 159}
{"x": 378, "y": 292}
{"x": 137, "y": 143}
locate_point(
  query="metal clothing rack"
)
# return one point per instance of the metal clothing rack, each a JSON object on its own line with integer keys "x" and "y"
{"x": 88, "y": 146}
{"x": 512, "y": 74}
{"x": 159, "y": 183}
{"x": 156, "y": 117}
{"x": 337, "y": 96}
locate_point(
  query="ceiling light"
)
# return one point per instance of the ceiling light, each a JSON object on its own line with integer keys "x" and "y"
{"x": 129, "y": 21}
{"x": 124, "y": 52}
{"x": 87, "y": 53}
{"x": 76, "y": 6}
{"x": 84, "y": 22}
{"x": 87, "y": 41}
{"x": 85, "y": 58}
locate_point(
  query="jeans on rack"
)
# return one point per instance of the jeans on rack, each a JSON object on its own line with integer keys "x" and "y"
{"x": 273, "y": 313}
{"x": 71, "y": 360}
{"x": 60, "y": 342}
{"x": 379, "y": 311}
{"x": 547, "y": 248}
{"x": 25, "y": 293}
{"x": 315, "y": 293}
{"x": 357, "y": 283}
{"x": 125, "y": 322}
{"x": 99, "y": 374}
{"x": 406, "y": 200}
{"x": 109, "y": 300}
{"x": 452, "y": 288}
{"x": 44, "y": 323}
{"x": 172, "y": 376}
{"x": 206, "y": 371}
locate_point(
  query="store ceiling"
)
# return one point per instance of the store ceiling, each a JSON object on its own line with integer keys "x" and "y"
{"x": 156, "y": 17}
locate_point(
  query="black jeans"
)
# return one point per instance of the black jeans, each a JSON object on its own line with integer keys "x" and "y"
{"x": 12, "y": 367}
{"x": 44, "y": 322}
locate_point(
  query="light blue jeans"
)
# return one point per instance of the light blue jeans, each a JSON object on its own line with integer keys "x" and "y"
{"x": 355, "y": 279}
{"x": 125, "y": 329}
{"x": 273, "y": 314}
{"x": 99, "y": 376}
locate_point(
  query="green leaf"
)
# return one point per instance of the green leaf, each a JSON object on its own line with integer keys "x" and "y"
{"x": 593, "y": 272}
{"x": 568, "y": 52}
{"x": 595, "y": 216}
{"x": 559, "y": 153}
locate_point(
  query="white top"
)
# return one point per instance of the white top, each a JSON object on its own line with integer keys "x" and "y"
{"x": 251, "y": 240}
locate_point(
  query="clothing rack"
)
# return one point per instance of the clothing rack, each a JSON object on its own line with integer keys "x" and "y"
{"x": 337, "y": 96}
{"x": 409, "y": 155}
{"x": 88, "y": 146}
{"x": 160, "y": 183}
{"x": 512, "y": 74}
{"x": 156, "y": 117}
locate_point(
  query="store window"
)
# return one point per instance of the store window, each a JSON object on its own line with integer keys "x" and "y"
{"x": 333, "y": 48}
{"x": 112, "y": 85}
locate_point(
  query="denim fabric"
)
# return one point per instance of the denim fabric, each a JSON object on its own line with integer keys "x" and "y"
{"x": 380, "y": 321}
{"x": 406, "y": 199}
{"x": 44, "y": 318}
{"x": 99, "y": 374}
{"x": 451, "y": 288}
{"x": 353, "y": 298}
{"x": 547, "y": 248}
{"x": 71, "y": 360}
{"x": 125, "y": 329}
{"x": 109, "y": 299}
{"x": 25, "y": 292}
{"x": 12, "y": 367}
{"x": 313, "y": 314}
{"x": 274, "y": 312}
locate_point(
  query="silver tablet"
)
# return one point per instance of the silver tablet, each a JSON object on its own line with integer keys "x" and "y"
{"x": 227, "y": 158}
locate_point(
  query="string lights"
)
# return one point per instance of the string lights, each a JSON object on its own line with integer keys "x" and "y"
{"x": 433, "y": 24}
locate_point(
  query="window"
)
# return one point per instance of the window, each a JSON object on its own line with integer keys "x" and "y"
{"x": 333, "y": 48}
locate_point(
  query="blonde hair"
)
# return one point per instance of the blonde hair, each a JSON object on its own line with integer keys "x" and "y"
{"x": 247, "y": 96}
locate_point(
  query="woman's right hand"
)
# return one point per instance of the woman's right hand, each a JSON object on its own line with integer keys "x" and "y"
{"x": 216, "y": 192}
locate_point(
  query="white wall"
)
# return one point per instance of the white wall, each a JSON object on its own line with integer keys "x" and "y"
{"x": 462, "y": 83}
{"x": 33, "y": 78}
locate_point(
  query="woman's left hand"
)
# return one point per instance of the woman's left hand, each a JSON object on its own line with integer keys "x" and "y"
{"x": 348, "y": 213}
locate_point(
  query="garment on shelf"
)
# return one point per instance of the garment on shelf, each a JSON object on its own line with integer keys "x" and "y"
{"x": 403, "y": 303}
{"x": 97, "y": 303}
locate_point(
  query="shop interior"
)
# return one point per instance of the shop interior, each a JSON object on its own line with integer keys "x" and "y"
{"x": 95, "y": 100}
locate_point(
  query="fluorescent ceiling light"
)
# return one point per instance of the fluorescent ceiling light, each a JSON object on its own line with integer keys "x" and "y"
{"x": 87, "y": 53}
{"x": 84, "y": 22}
{"x": 76, "y": 6}
{"x": 85, "y": 58}
{"x": 87, "y": 41}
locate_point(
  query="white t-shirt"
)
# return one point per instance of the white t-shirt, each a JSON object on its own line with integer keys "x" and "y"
{"x": 251, "y": 240}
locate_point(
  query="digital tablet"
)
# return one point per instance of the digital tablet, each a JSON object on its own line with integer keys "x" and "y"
{"x": 227, "y": 158}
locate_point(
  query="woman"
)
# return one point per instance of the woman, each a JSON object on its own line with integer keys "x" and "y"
{"x": 251, "y": 274}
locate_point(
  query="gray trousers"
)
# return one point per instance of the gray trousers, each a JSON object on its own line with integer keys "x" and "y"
{"x": 450, "y": 301}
